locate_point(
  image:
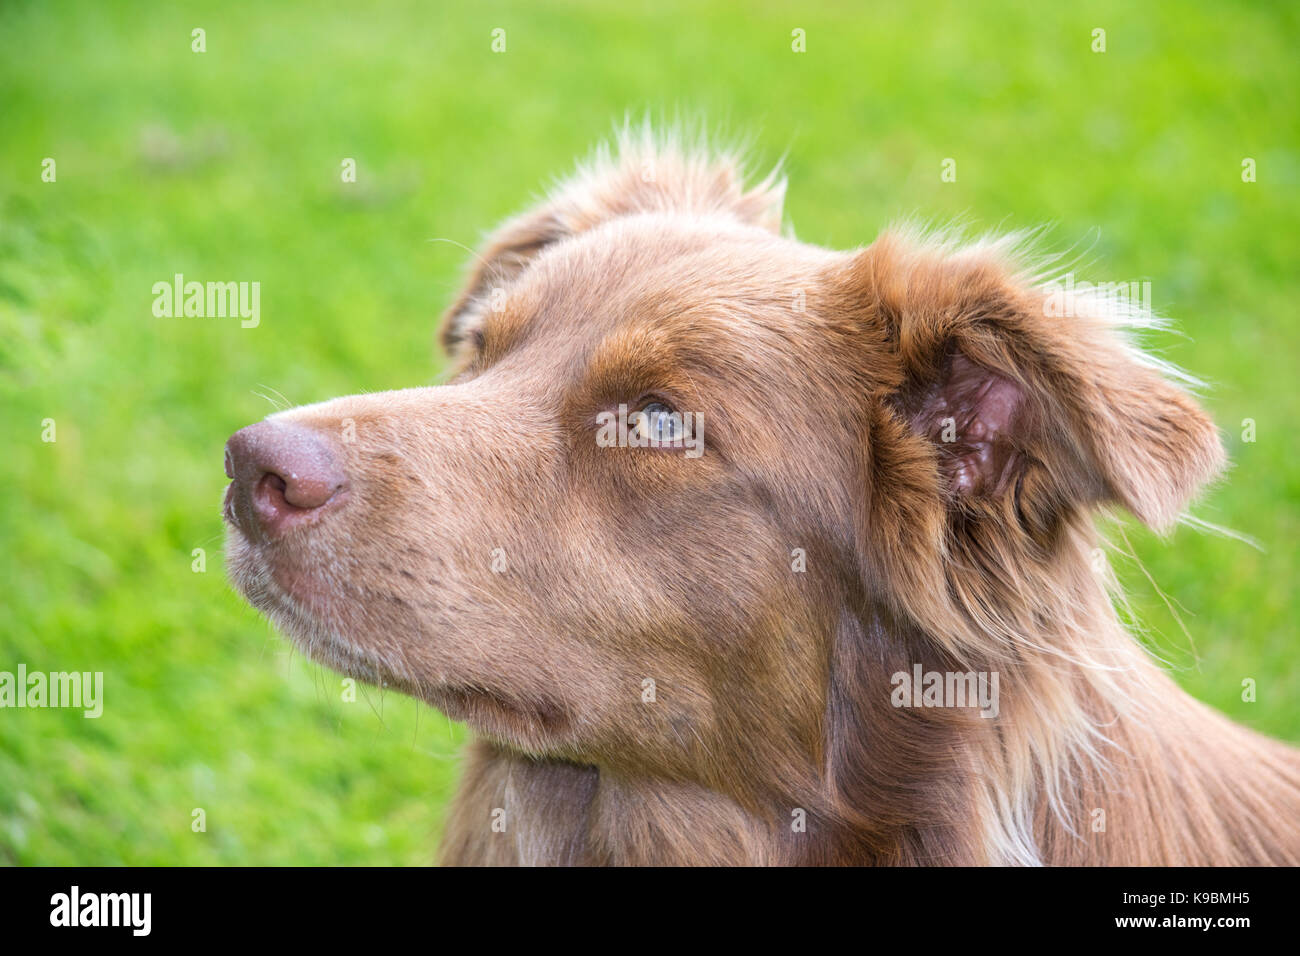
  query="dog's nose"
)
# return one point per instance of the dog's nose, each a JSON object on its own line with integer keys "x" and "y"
{"x": 284, "y": 475}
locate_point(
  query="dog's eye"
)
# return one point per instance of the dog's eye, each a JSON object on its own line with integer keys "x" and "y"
{"x": 660, "y": 423}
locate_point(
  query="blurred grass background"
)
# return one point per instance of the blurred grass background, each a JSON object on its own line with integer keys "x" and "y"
{"x": 225, "y": 165}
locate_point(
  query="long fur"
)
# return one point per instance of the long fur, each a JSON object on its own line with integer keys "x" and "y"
{"x": 776, "y": 740}
{"x": 1099, "y": 758}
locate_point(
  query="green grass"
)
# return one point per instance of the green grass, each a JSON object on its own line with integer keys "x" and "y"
{"x": 226, "y": 165}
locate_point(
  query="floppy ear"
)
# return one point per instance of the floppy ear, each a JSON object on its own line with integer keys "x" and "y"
{"x": 505, "y": 255}
{"x": 646, "y": 174}
{"x": 1025, "y": 417}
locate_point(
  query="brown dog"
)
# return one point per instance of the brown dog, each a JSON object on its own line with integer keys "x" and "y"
{"x": 734, "y": 549}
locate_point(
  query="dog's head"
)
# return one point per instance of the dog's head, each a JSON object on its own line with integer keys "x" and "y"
{"x": 678, "y": 451}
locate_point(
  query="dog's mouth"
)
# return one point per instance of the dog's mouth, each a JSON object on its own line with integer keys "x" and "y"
{"x": 273, "y": 581}
{"x": 318, "y": 619}
{"x": 300, "y": 602}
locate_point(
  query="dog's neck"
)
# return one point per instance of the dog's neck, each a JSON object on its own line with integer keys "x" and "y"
{"x": 892, "y": 786}
{"x": 906, "y": 785}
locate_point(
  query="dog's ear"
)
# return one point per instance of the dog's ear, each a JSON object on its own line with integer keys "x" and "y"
{"x": 646, "y": 173}
{"x": 504, "y": 256}
{"x": 1012, "y": 413}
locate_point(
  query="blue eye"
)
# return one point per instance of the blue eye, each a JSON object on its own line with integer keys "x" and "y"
{"x": 661, "y": 423}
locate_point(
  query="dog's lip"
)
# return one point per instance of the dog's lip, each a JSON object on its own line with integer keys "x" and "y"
{"x": 301, "y": 609}
{"x": 299, "y": 614}
{"x": 281, "y": 580}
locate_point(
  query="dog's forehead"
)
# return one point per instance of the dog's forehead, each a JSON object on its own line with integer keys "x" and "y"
{"x": 683, "y": 306}
{"x": 649, "y": 298}
{"x": 635, "y": 252}
{"x": 667, "y": 272}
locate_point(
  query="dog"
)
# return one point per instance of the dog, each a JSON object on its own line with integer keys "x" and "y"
{"x": 757, "y": 653}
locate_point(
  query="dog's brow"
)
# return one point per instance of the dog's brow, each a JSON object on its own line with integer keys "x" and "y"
{"x": 672, "y": 353}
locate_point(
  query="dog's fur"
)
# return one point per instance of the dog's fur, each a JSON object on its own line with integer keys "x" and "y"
{"x": 496, "y": 562}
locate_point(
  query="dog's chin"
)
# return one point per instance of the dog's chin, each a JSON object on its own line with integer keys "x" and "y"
{"x": 299, "y": 606}
{"x": 533, "y": 725}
